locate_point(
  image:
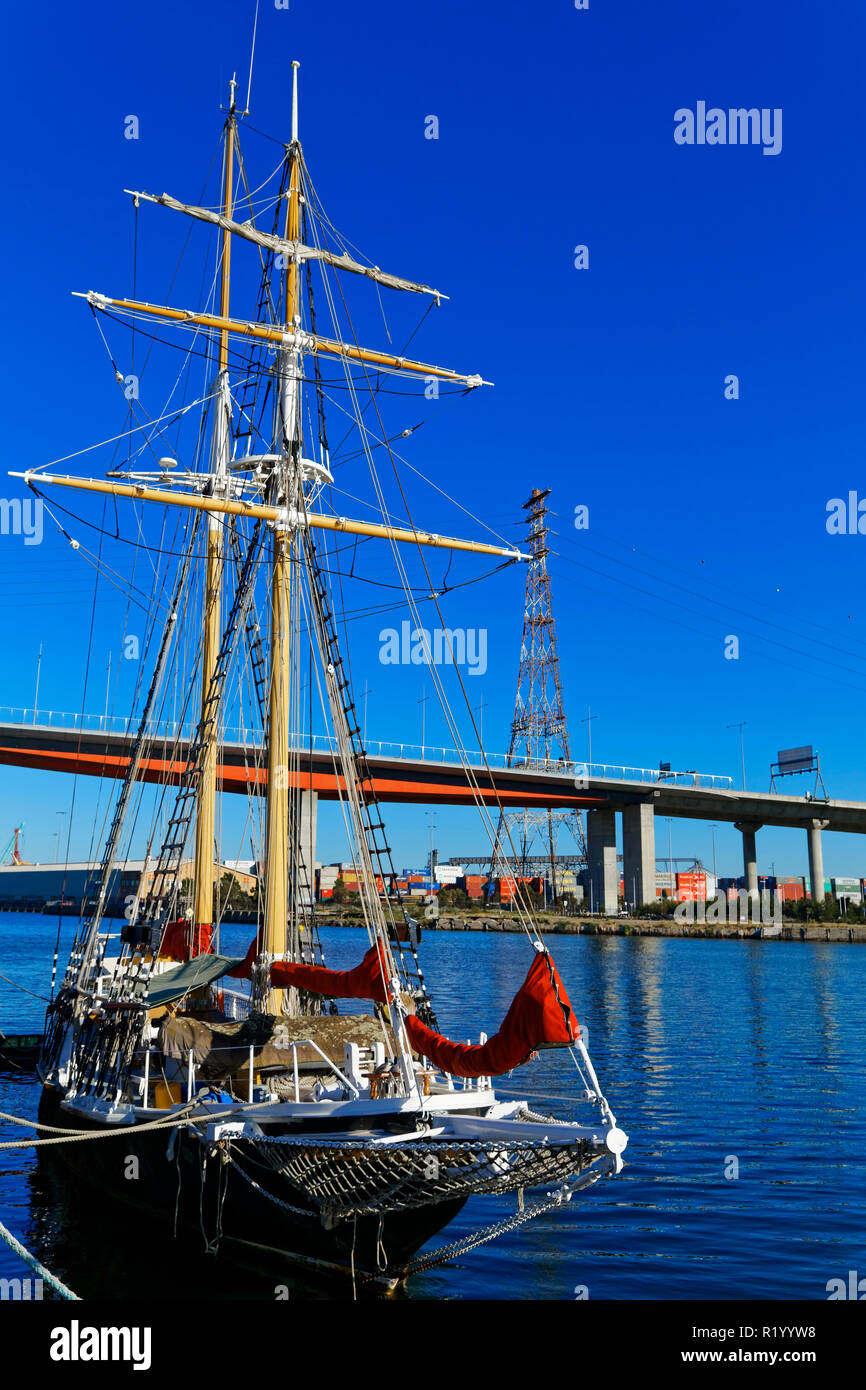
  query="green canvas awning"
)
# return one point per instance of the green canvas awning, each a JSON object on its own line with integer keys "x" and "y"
{"x": 193, "y": 974}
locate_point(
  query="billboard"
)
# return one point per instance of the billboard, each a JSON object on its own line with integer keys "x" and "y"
{"x": 796, "y": 759}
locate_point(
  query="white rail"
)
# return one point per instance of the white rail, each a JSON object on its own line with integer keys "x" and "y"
{"x": 325, "y": 743}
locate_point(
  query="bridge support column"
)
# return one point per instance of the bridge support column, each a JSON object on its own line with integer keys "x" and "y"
{"x": 749, "y": 830}
{"x": 816, "y": 859}
{"x": 639, "y": 853}
{"x": 306, "y": 846}
{"x": 601, "y": 852}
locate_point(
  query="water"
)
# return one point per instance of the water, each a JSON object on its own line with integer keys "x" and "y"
{"x": 715, "y": 1056}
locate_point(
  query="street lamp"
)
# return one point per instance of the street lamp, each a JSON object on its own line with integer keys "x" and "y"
{"x": 431, "y": 816}
{"x": 588, "y": 722}
{"x": 670, "y": 852}
{"x": 741, "y": 727}
{"x": 57, "y": 834}
{"x": 480, "y": 709}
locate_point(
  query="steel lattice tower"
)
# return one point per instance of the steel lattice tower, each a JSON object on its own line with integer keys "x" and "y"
{"x": 539, "y": 733}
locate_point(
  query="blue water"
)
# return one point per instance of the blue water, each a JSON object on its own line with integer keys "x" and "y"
{"x": 715, "y": 1056}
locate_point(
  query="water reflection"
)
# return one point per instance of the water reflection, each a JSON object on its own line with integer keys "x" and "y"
{"x": 706, "y": 1049}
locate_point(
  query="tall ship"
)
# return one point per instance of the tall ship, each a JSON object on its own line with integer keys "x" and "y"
{"x": 287, "y": 1110}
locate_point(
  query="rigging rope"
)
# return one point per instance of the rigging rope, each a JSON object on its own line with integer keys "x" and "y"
{"x": 524, "y": 910}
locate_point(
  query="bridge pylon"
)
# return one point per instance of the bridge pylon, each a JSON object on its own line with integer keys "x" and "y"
{"x": 539, "y": 732}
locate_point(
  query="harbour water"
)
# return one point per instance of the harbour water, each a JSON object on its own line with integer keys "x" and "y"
{"x": 738, "y": 1070}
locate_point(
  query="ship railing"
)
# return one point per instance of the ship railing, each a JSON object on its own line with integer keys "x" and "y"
{"x": 452, "y": 1083}
{"x": 236, "y": 1004}
{"x": 464, "y": 1083}
{"x": 244, "y": 737}
{"x": 193, "y": 1081}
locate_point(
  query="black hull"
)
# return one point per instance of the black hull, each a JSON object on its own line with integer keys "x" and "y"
{"x": 231, "y": 1218}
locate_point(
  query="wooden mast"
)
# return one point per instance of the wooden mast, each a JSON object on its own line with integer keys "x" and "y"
{"x": 206, "y": 791}
{"x": 287, "y": 478}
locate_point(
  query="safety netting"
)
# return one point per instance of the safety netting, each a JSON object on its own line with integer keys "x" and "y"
{"x": 341, "y": 1179}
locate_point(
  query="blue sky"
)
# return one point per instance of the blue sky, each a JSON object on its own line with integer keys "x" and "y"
{"x": 707, "y": 515}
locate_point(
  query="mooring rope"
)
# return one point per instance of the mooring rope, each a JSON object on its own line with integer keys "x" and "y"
{"x": 33, "y": 1263}
{"x": 24, "y": 989}
{"x": 67, "y": 1136}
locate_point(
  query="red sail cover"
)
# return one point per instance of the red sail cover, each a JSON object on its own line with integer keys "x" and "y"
{"x": 244, "y": 970}
{"x": 540, "y": 1016}
{"x": 366, "y": 981}
{"x": 176, "y": 940}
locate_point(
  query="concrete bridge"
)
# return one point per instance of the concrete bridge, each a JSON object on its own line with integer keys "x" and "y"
{"x": 100, "y": 746}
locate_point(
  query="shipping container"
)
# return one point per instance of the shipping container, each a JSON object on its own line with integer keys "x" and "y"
{"x": 791, "y": 891}
{"x": 849, "y": 889}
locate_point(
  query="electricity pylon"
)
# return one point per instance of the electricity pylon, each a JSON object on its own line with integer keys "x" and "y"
{"x": 539, "y": 733}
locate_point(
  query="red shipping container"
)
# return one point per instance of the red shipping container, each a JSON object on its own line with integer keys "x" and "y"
{"x": 790, "y": 892}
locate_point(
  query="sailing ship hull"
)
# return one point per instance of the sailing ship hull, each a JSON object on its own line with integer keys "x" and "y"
{"x": 183, "y": 1188}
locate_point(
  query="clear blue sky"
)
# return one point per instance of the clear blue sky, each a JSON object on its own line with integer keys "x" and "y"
{"x": 707, "y": 516}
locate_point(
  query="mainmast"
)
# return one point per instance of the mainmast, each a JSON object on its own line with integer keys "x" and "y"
{"x": 286, "y": 485}
{"x": 206, "y": 796}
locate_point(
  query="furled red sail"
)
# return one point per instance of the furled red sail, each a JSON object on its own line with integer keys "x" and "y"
{"x": 244, "y": 970}
{"x": 176, "y": 940}
{"x": 366, "y": 981}
{"x": 540, "y": 1016}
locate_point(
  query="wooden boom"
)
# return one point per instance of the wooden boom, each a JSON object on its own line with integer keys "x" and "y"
{"x": 138, "y": 492}
{"x": 271, "y": 333}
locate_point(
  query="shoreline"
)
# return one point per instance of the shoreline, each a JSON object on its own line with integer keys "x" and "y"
{"x": 845, "y": 932}
{"x": 632, "y": 926}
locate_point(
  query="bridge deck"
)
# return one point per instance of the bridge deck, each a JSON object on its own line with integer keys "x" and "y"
{"x": 424, "y": 781}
